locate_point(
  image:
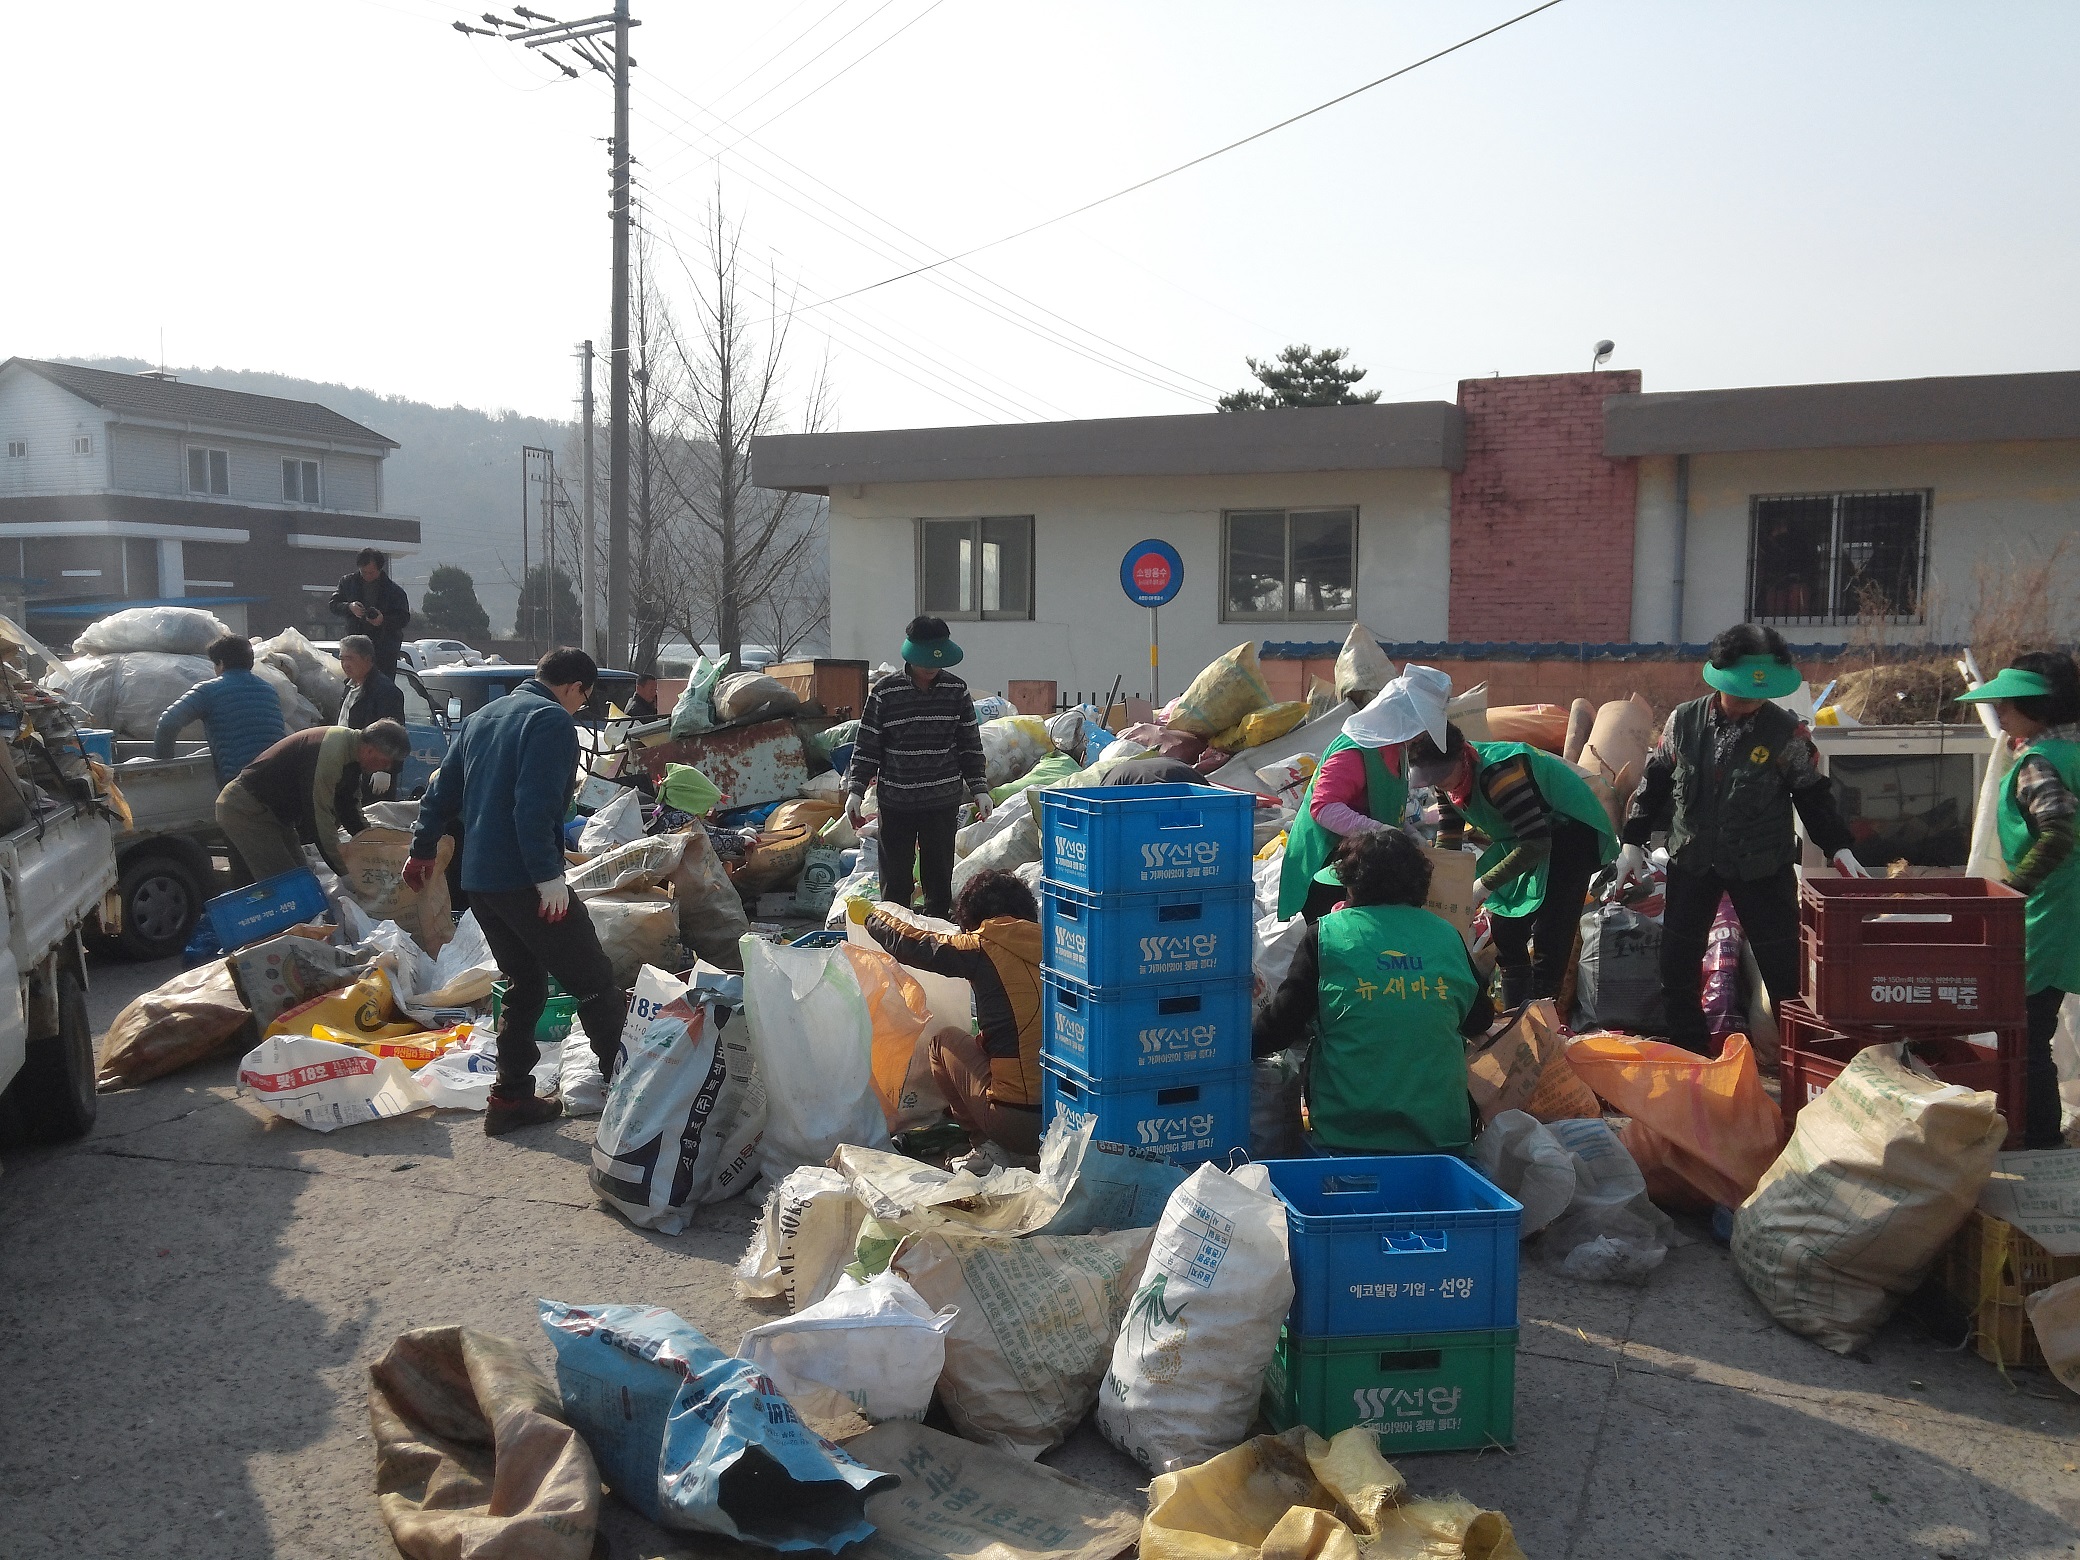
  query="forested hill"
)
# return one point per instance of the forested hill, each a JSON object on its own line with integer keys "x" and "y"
{"x": 458, "y": 470}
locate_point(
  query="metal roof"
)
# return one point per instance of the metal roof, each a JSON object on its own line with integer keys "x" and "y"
{"x": 169, "y": 400}
{"x": 1406, "y": 434}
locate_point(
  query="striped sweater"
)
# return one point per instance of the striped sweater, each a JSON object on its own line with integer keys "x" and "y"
{"x": 922, "y": 744}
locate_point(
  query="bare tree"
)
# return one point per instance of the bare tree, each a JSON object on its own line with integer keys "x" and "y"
{"x": 750, "y": 557}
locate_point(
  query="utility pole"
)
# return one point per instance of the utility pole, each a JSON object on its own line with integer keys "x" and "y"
{"x": 533, "y": 622}
{"x": 579, "y": 38}
{"x": 589, "y": 586}
{"x": 549, "y": 634}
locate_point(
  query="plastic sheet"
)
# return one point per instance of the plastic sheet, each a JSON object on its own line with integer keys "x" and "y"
{"x": 873, "y": 1348}
{"x": 127, "y": 693}
{"x": 169, "y": 630}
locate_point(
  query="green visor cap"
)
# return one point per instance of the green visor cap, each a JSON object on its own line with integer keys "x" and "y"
{"x": 932, "y": 652}
{"x": 2012, "y": 683}
{"x": 1754, "y": 677}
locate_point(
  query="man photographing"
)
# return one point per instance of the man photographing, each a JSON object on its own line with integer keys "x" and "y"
{"x": 509, "y": 777}
{"x": 375, "y": 604}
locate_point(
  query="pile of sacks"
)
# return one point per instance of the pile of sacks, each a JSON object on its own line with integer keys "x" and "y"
{"x": 715, "y": 696}
{"x": 129, "y": 666}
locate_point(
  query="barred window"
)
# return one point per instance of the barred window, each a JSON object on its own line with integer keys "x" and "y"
{"x": 1819, "y": 559}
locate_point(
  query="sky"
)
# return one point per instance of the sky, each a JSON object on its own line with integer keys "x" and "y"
{"x": 1734, "y": 191}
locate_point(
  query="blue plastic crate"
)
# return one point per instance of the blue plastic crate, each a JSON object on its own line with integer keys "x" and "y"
{"x": 1141, "y": 839}
{"x": 96, "y": 742}
{"x": 1194, "y": 935}
{"x": 1138, "y": 1031}
{"x": 1187, "y": 1120}
{"x": 272, "y": 905}
{"x": 1405, "y": 1243}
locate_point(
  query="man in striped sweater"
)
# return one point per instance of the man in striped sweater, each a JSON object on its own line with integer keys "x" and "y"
{"x": 918, "y": 738}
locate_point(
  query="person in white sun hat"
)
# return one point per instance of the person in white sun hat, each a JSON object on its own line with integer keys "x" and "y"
{"x": 1359, "y": 786}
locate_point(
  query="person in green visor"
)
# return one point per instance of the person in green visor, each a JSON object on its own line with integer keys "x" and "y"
{"x": 1725, "y": 779}
{"x": 1548, "y": 834}
{"x": 1357, "y": 786}
{"x": 1393, "y": 998}
{"x": 2038, "y": 702}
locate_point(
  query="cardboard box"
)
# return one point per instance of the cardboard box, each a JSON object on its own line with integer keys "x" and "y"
{"x": 1451, "y": 888}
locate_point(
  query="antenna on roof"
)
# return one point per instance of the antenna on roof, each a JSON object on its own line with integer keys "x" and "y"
{"x": 160, "y": 373}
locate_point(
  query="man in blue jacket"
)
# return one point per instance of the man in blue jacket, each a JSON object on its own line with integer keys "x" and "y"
{"x": 509, "y": 776}
{"x": 239, "y": 711}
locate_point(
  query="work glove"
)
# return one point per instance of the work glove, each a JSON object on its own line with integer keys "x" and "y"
{"x": 858, "y": 909}
{"x": 555, "y": 895}
{"x": 1632, "y": 868}
{"x": 855, "y": 808}
{"x": 983, "y": 806}
{"x": 1845, "y": 862}
{"x": 417, "y": 870}
{"x": 1480, "y": 892}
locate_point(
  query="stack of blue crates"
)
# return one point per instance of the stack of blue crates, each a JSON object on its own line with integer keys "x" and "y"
{"x": 1404, "y": 1315}
{"x": 1146, "y": 918}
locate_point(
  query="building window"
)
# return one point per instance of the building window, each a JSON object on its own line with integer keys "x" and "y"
{"x": 17, "y": 449}
{"x": 83, "y": 444}
{"x": 209, "y": 471}
{"x": 1816, "y": 559}
{"x": 976, "y": 568}
{"x": 1289, "y": 563}
{"x": 300, "y": 481}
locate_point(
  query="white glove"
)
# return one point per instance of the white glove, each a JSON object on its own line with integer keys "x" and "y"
{"x": 1845, "y": 862}
{"x": 1480, "y": 892}
{"x": 555, "y": 895}
{"x": 983, "y": 806}
{"x": 855, "y": 808}
{"x": 1632, "y": 868}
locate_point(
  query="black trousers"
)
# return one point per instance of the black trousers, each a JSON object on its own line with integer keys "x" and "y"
{"x": 1768, "y": 908}
{"x": 529, "y": 950}
{"x": 1542, "y": 940}
{"x": 2040, "y": 1116}
{"x": 925, "y": 838}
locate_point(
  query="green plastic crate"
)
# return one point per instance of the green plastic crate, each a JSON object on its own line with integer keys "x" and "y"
{"x": 1419, "y": 1392}
{"x": 558, "y": 1018}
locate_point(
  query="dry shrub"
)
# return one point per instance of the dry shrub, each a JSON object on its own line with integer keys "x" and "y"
{"x": 1901, "y": 693}
{"x": 2018, "y": 603}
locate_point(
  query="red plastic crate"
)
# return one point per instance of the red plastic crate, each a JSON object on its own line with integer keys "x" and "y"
{"x": 1916, "y": 953}
{"x": 1814, "y": 1055}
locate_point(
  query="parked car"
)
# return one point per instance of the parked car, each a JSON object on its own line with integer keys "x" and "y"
{"x": 458, "y": 692}
{"x": 424, "y": 655}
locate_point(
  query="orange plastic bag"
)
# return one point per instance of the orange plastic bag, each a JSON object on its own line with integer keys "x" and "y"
{"x": 1702, "y": 1130}
{"x": 1540, "y": 725}
{"x": 900, "y": 1016}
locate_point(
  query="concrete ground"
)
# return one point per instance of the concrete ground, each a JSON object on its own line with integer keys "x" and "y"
{"x": 190, "y": 1298}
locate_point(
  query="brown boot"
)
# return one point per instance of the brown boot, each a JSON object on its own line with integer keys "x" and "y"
{"x": 504, "y": 1115}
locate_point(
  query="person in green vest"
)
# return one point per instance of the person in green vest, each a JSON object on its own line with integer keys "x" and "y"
{"x": 1392, "y": 996}
{"x": 1357, "y": 786}
{"x": 2038, "y": 701}
{"x": 1548, "y": 834}
{"x": 1725, "y": 779}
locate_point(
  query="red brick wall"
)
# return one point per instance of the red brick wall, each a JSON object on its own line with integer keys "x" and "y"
{"x": 1541, "y": 518}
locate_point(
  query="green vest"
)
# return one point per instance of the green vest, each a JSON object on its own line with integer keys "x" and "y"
{"x": 2051, "y": 918}
{"x": 1309, "y": 845}
{"x": 1388, "y": 1073}
{"x": 1567, "y": 795}
{"x": 1739, "y": 823}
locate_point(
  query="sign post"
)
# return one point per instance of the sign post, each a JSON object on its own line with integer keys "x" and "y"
{"x": 1151, "y": 574}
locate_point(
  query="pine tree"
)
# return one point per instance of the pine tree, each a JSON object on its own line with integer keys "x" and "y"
{"x": 450, "y": 605}
{"x": 1301, "y": 376}
{"x": 560, "y": 625}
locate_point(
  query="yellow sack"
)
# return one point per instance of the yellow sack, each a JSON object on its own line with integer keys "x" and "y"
{"x": 415, "y": 1048}
{"x": 1261, "y": 726}
{"x": 1220, "y": 696}
{"x": 365, "y": 1010}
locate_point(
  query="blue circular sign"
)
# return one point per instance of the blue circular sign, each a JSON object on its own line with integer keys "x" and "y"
{"x": 1151, "y": 573}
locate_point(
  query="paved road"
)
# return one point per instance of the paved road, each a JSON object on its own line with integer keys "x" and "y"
{"x": 189, "y": 1300}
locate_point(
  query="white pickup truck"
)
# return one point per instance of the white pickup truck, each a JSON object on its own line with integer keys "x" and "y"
{"x": 54, "y": 872}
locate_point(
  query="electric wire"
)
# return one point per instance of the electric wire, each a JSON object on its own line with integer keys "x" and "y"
{"x": 860, "y": 60}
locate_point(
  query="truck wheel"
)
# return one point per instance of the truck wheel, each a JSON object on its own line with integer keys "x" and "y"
{"x": 53, "y": 1095}
{"x": 162, "y": 901}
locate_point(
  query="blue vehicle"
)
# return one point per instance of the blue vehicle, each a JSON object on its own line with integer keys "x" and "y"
{"x": 438, "y": 701}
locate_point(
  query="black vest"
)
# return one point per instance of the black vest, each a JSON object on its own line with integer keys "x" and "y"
{"x": 1737, "y": 821}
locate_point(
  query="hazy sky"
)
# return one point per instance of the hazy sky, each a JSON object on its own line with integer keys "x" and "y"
{"x": 1737, "y": 193}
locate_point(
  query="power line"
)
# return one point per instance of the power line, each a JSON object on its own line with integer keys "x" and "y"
{"x": 777, "y": 53}
{"x": 798, "y": 102}
{"x": 1218, "y": 151}
{"x": 746, "y": 108}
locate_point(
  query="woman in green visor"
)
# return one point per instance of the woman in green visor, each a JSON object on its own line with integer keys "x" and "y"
{"x": 1548, "y": 834}
{"x": 1357, "y": 787}
{"x": 1725, "y": 779}
{"x": 2038, "y": 701}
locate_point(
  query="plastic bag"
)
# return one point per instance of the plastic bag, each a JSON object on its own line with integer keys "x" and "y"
{"x": 1276, "y": 943}
{"x": 641, "y": 863}
{"x": 188, "y": 1018}
{"x": 753, "y": 696}
{"x": 316, "y": 672}
{"x": 474, "y": 1460}
{"x": 1618, "y": 979}
{"x": 1702, "y": 1131}
{"x": 128, "y": 693}
{"x": 1881, "y": 1170}
{"x": 1362, "y": 666}
{"x": 287, "y": 971}
{"x": 297, "y": 711}
{"x": 873, "y": 1348}
{"x": 1011, "y": 847}
{"x": 1012, "y": 745}
{"x": 1721, "y": 995}
{"x": 375, "y": 860}
{"x": 712, "y": 922}
{"x": 1188, "y": 1366}
{"x": 170, "y": 630}
{"x": 683, "y": 1117}
{"x": 1542, "y": 726}
{"x": 687, "y": 790}
{"x": 805, "y": 1236}
{"x": 1522, "y": 1157}
{"x": 694, "y": 1440}
{"x": 365, "y": 1008}
{"x": 695, "y": 711}
{"x": 1259, "y": 727}
{"x": 324, "y": 1086}
{"x": 812, "y": 1033}
{"x": 617, "y": 823}
{"x": 1222, "y": 694}
{"x": 1610, "y": 1229}
{"x": 1274, "y": 1106}
{"x": 2054, "y": 1316}
{"x": 1035, "y": 1329}
{"x": 635, "y": 927}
